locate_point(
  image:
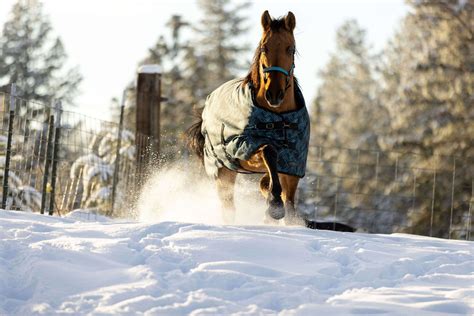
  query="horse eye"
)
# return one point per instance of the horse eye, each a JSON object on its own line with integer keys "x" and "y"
{"x": 290, "y": 50}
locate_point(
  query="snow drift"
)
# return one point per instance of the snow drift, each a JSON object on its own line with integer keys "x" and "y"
{"x": 85, "y": 264}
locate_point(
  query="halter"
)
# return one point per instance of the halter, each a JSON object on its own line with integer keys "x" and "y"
{"x": 279, "y": 69}
{"x": 283, "y": 71}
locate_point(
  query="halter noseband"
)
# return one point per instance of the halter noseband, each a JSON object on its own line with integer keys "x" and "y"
{"x": 279, "y": 69}
{"x": 283, "y": 71}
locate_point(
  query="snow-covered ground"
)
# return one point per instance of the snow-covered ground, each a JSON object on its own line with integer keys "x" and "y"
{"x": 87, "y": 265}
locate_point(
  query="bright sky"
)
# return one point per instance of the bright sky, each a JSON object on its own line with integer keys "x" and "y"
{"x": 107, "y": 38}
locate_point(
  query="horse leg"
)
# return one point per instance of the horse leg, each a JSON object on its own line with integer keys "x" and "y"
{"x": 265, "y": 190}
{"x": 225, "y": 189}
{"x": 289, "y": 185}
{"x": 275, "y": 203}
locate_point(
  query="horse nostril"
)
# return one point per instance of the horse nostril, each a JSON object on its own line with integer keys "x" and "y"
{"x": 268, "y": 95}
{"x": 281, "y": 95}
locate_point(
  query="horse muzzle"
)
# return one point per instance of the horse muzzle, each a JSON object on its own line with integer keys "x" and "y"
{"x": 274, "y": 96}
{"x": 274, "y": 99}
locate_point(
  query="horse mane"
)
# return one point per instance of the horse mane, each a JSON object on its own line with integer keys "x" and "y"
{"x": 253, "y": 77}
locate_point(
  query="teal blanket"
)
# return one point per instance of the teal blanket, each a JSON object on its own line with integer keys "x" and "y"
{"x": 234, "y": 128}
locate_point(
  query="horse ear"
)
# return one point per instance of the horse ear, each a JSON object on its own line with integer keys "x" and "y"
{"x": 266, "y": 20}
{"x": 290, "y": 21}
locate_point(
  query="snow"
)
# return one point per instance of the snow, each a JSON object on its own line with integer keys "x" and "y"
{"x": 93, "y": 166}
{"x": 461, "y": 5}
{"x": 150, "y": 69}
{"x": 88, "y": 264}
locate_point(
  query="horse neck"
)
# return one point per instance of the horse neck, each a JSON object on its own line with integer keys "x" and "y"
{"x": 288, "y": 103}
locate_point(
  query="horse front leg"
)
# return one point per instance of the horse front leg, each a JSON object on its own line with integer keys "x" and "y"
{"x": 225, "y": 189}
{"x": 289, "y": 186}
{"x": 274, "y": 200}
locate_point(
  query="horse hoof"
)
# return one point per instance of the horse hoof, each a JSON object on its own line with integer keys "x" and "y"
{"x": 276, "y": 212}
{"x": 276, "y": 209}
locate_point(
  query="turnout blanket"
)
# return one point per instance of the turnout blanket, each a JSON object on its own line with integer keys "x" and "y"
{"x": 234, "y": 127}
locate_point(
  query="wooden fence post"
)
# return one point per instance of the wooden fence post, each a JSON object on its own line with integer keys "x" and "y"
{"x": 148, "y": 114}
{"x": 117, "y": 153}
{"x": 47, "y": 162}
{"x": 6, "y": 171}
{"x": 55, "y": 158}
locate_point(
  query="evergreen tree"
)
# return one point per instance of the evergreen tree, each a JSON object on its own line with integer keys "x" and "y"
{"x": 95, "y": 171}
{"x": 33, "y": 58}
{"x": 347, "y": 97}
{"x": 176, "y": 112}
{"x": 169, "y": 52}
{"x": 220, "y": 39}
{"x": 430, "y": 71}
{"x": 347, "y": 116}
{"x": 429, "y": 84}
{"x": 195, "y": 60}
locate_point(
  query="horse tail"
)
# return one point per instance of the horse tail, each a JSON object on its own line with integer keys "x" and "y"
{"x": 195, "y": 138}
{"x": 265, "y": 185}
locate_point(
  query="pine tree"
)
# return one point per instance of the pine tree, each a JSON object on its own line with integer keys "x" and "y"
{"x": 347, "y": 100}
{"x": 431, "y": 69}
{"x": 195, "y": 60}
{"x": 33, "y": 58}
{"x": 429, "y": 84}
{"x": 220, "y": 39}
{"x": 96, "y": 170}
{"x": 176, "y": 112}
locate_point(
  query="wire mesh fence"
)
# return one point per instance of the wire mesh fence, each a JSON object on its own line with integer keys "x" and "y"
{"x": 54, "y": 161}
{"x": 386, "y": 192}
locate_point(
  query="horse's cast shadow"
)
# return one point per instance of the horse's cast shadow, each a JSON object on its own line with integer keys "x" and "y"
{"x": 329, "y": 226}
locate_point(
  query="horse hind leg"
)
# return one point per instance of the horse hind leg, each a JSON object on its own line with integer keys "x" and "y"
{"x": 225, "y": 189}
{"x": 265, "y": 190}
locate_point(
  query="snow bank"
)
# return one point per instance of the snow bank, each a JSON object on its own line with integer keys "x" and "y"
{"x": 52, "y": 266}
{"x": 150, "y": 69}
{"x": 87, "y": 215}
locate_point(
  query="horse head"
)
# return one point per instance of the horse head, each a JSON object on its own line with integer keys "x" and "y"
{"x": 276, "y": 55}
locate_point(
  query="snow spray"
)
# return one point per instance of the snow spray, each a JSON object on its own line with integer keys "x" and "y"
{"x": 184, "y": 193}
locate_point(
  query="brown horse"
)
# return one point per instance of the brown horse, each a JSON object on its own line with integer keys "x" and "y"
{"x": 273, "y": 89}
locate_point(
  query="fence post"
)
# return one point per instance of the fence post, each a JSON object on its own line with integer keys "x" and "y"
{"x": 452, "y": 197}
{"x": 148, "y": 110}
{"x": 336, "y": 197}
{"x": 468, "y": 223}
{"x": 117, "y": 152}
{"x": 57, "y": 137}
{"x": 47, "y": 162}
{"x": 433, "y": 197}
{"x": 6, "y": 171}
